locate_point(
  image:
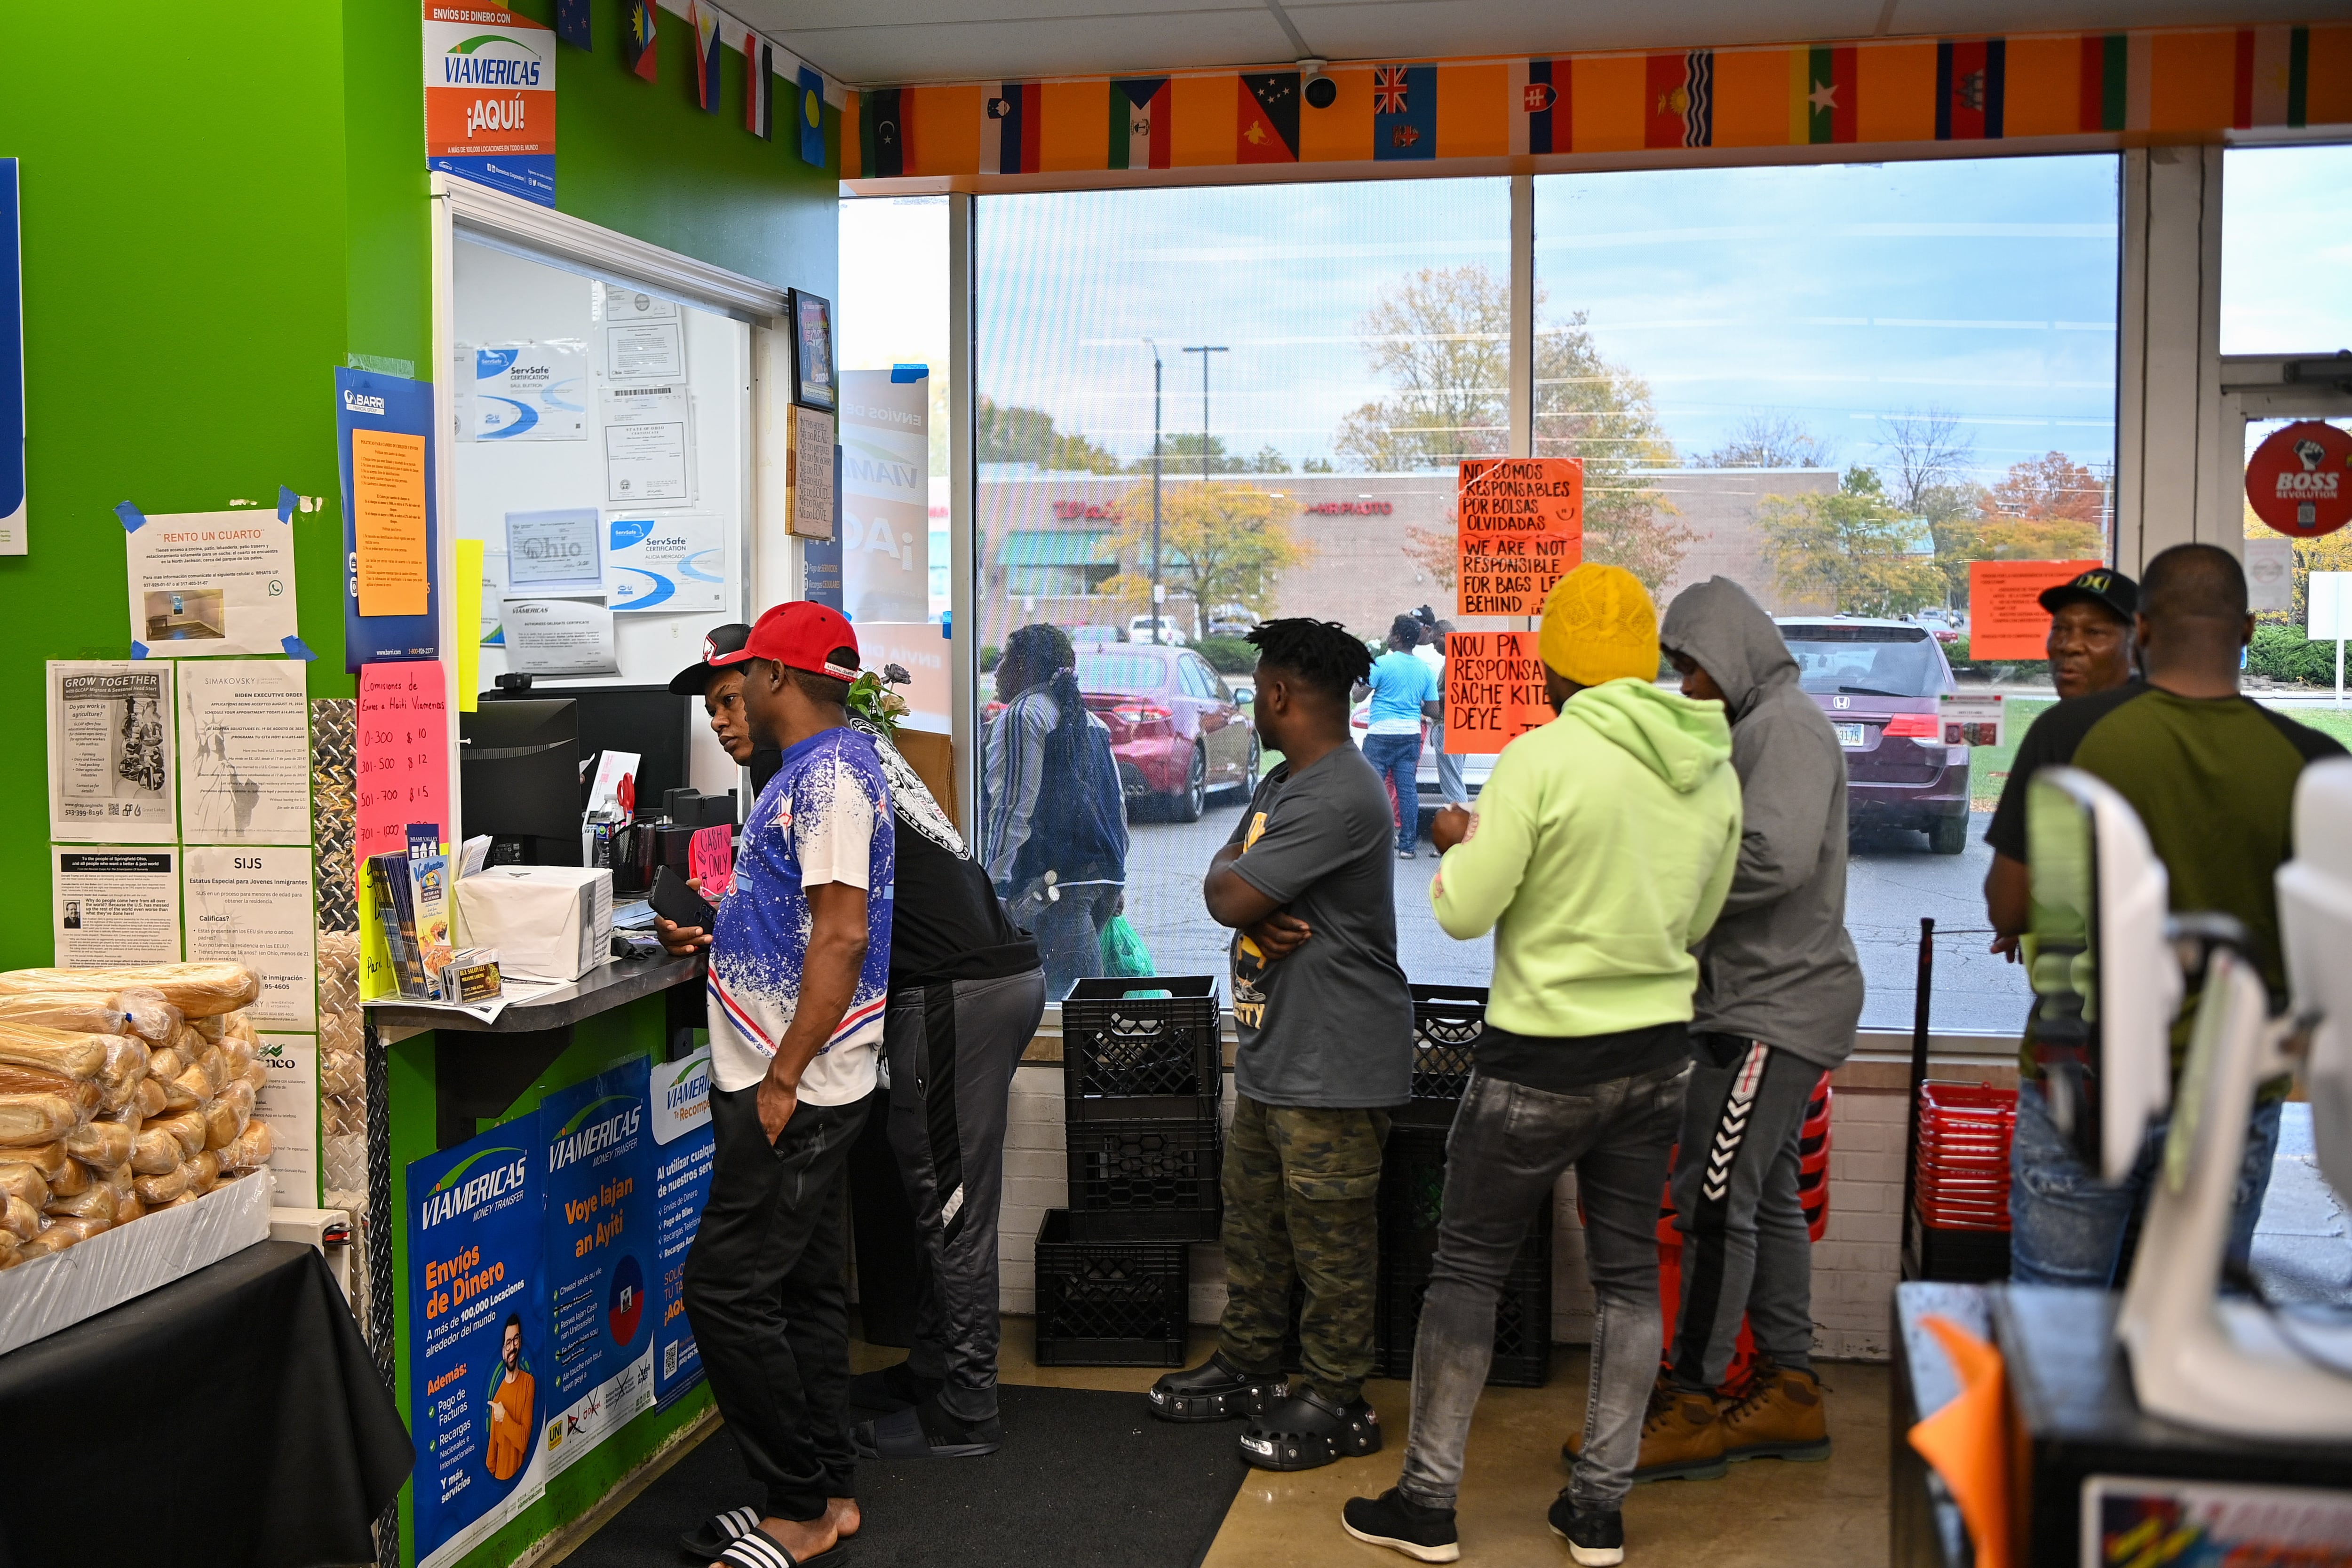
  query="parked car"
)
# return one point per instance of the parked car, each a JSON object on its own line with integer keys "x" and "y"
{"x": 1176, "y": 728}
{"x": 1878, "y": 682}
{"x": 1232, "y": 621}
{"x": 1171, "y": 635}
{"x": 1095, "y": 636}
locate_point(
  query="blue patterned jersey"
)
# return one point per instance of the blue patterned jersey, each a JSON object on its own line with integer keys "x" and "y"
{"x": 825, "y": 816}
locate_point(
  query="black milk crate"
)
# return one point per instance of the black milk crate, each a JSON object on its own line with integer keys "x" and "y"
{"x": 1133, "y": 1057}
{"x": 1446, "y": 1023}
{"x": 1108, "y": 1304}
{"x": 1166, "y": 1169}
{"x": 1963, "y": 1255}
{"x": 1412, "y": 1203}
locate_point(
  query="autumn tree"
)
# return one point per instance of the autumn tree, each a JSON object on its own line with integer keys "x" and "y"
{"x": 1852, "y": 548}
{"x": 1219, "y": 544}
{"x": 2046, "y": 508}
{"x": 1441, "y": 343}
{"x": 1925, "y": 465}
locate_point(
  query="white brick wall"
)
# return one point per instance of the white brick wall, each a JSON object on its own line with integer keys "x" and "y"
{"x": 1854, "y": 1265}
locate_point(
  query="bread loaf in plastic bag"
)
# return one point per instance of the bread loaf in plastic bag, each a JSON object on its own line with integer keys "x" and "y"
{"x": 203, "y": 989}
{"x": 156, "y": 1151}
{"x": 82, "y": 1092}
{"x": 30, "y": 1119}
{"x": 250, "y": 1150}
{"x": 71, "y": 1177}
{"x": 98, "y": 1203}
{"x": 9, "y": 1254}
{"x": 129, "y": 1209}
{"x": 58, "y": 1051}
{"x": 20, "y": 1180}
{"x": 80, "y": 1229}
{"x": 20, "y": 1218}
{"x": 239, "y": 1025}
{"x": 101, "y": 1144}
{"x": 163, "y": 1188}
{"x": 204, "y": 1172}
{"x": 56, "y": 1238}
{"x": 143, "y": 1013}
{"x": 151, "y": 1099}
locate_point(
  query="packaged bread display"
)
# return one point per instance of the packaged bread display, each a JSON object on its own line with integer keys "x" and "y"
{"x": 204, "y": 1172}
{"x": 164, "y": 1188}
{"x": 199, "y": 990}
{"x": 101, "y": 1144}
{"x": 20, "y": 1218}
{"x": 72, "y": 1176}
{"x": 80, "y": 1229}
{"x": 211, "y": 1028}
{"x": 100, "y": 1202}
{"x": 143, "y": 1013}
{"x": 250, "y": 1150}
{"x": 155, "y": 1151}
{"x": 58, "y": 1051}
{"x": 31, "y": 1119}
{"x": 82, "y": 1092}
{"x": 23, "y": 1181}
{"x": 150, "y": 1100}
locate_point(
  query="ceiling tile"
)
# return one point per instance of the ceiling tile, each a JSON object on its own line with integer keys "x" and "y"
{"x": 1389, "y": 29}
{"x": 2099, "y": 15}
{"x": 1060, "y": 46}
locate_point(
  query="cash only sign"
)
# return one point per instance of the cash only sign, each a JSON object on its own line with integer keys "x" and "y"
{"x": 1519, "y": 528}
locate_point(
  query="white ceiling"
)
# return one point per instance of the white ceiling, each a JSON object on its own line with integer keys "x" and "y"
{"x": 883, "y": 43}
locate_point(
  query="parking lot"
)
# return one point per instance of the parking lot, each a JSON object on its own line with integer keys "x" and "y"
{"x": 1891, "y": 882}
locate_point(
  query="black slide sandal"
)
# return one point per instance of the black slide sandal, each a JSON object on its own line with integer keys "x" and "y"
{"x": 706, "y": 1540}
{"x": 758, "y": 1549}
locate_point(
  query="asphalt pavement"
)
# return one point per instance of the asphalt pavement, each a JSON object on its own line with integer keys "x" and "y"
{"x": 1891, "y": 882}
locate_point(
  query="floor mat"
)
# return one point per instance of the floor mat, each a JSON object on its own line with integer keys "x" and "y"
{"x": 1085, "y": 1479}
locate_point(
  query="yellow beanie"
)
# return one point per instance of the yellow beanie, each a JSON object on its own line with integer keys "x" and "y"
{"x": 1599, "y": 625}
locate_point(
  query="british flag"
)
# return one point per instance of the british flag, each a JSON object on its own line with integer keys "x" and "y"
{"x": 1388, "y": 89}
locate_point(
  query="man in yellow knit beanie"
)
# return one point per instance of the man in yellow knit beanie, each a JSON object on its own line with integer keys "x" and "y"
{"x": 1599, "y": 852}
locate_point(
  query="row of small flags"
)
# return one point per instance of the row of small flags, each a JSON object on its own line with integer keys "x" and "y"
{"x": 712, "y": 30}
{"x": 1958, "y": 91}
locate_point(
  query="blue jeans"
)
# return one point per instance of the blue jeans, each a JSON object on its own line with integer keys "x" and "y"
{"x": 2066, "y": 1227}
{"x": 1397, "y": 757}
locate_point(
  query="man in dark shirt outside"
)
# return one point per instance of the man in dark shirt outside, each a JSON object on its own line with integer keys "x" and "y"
{"x": 2211, "y": 775}
{"x": 1325, "y": 1023}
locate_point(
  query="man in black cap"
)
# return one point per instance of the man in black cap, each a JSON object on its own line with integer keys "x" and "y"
{"x": 2091, "y": 631}
{"x": 720, "y": 687}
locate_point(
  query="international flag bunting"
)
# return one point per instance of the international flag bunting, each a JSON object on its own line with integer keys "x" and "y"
{"x": 571, "y": 22}
{"x": 2106, "y": 81}
{"x": 2270, "y": 85}
{"x": 705, "y": 23}
{"x": 1142, "y": 123}
{"x": 882, "y": 133}
{"x": 640, "y": 34}
{"x": 1012, "y": 119}
{"x": 1680, "y": 91}
{"x": 1266, "y": 129}
{"x": 1405, "y": 112}
{"x": 811, "y": 118}
{"x": 1544, "y": 105}
{"x": 1971, "y": 87}
{"x": 758, "y": 86}
{"x": 1825, "y": 95}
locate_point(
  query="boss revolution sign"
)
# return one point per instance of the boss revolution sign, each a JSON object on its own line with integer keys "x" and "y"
{"x": 2299, "y": 480}
{"x": 490, "y": 98}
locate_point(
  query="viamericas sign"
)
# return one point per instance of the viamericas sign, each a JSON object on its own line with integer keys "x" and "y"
{"x": 490, "y": 98}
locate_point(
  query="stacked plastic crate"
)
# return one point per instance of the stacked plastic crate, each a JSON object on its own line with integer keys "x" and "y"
{"x": 1143, "y": 1067}
{"x": 1958, "y": 1226}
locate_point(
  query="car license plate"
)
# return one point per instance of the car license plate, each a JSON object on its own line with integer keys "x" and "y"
{"x": 1850, "y": 735}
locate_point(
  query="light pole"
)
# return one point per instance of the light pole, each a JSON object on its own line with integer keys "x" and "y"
{"x": 1155, "y": 488}
{"x": 1200, "y": 611}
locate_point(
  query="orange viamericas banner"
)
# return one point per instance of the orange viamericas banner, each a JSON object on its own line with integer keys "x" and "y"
{"x": 2006, "y": 620}
{"x": 2115, "y": 88}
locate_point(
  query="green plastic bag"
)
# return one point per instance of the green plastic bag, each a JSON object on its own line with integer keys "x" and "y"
{"x": 1124, "y": 956}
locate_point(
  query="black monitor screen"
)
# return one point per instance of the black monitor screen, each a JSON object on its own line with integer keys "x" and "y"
{"x": 519, "y": 771}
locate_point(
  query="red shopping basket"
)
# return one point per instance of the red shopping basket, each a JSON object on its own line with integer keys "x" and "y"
{"x": 1962, "y": 1176}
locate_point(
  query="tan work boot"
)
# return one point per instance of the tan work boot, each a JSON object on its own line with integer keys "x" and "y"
{"x": 1682, "y": 1437}
{"x": 1781, "y": 1419}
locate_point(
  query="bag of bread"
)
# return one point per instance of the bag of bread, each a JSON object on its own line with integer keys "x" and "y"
{"x": 203, "y": 989}
{"x": 71, "y": 1177}
{"x": 165, "y": 1061}
{"x": 190, "y": 1088}
{"x": 151, "y": 1100}
{"x": 20, "y": 1218}
{"x": 239, "y": 1025}
{"x": 80, "y": 1229}
{"x": 163, "y": 1188}
{"x": 20, "y": 1180}
{"x": 98, "y": 1203}
{"x": 53, "y": 1239}
{"x": 257, "y": 1076}
{"x": 125, "y": 1069}
{"x": 250, "y": 1151}
{"x": 188, "y": 1126}
{"x": 82, "y": 1092}
{"x": 210, "y": 1028}
{"x": 215, "y": 1063}
{"x": 220, "y": 1123}
{"x": 155, "y": 1151}
{"x": 103, "y": 1145}
{"x": 50, "y": 1159}
{"x": 29, "y": 1119}
{"x": 147, "y": 1015}
{"x": 9, "y": 1255}
{"x": 204, "y": 1172}
{"x": 62, "y": 1051}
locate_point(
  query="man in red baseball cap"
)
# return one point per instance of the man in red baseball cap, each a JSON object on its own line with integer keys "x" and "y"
{"x": 799, "y": 980}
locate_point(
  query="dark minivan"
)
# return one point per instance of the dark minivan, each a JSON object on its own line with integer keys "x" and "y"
{"x": 1878, "y": 682}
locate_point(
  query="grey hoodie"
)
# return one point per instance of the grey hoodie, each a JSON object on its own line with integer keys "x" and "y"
{"x": 1779, "y": 966}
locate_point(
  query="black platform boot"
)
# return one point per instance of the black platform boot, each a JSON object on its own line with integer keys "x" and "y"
{"x": 1216, "y": 1390}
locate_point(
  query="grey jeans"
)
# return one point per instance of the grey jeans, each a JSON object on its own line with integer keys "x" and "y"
{"x": 1746, "y": 1251}
{"x": 952, "y": 1049}
{"x": 1509, "y": 1145}
{"x": 1069, "y": 934}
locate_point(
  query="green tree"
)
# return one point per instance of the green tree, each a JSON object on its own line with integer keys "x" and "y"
{"x": 1768, "y": 439}
{"x": 1219, "y": 544}
{"x": 1179, "y": 454}
{"x": 1006, "y": 433}
{"x": 1852, "y": 548}
{"x": 1440, "y": 342}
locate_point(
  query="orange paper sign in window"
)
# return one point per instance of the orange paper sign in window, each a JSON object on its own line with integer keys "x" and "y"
{"x": 388, "y": 521}
{"x": 1519, "y": 526}
{"x": 1494, "y": 691}
{"x": 2006, "y": 620}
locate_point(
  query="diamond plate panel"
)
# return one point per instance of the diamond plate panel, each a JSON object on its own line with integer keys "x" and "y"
{"x": 334, "y": 810}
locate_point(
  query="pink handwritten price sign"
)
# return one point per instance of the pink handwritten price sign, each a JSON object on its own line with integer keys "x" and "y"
{"x": 404, "y": 753}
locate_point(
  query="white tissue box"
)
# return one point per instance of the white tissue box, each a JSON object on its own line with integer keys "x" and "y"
{"x": 547, "y": 922}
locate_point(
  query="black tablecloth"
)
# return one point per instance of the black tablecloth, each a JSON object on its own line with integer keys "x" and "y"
{"x": 233, "y": 1416}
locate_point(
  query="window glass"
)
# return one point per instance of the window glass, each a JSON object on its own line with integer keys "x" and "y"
{"x": 1839, "y": 385}
{"x": 893, "y": 315}
{"x": 2286, "y": 249}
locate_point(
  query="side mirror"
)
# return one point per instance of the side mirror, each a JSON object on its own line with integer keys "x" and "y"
{"x": 1243, "y": 690}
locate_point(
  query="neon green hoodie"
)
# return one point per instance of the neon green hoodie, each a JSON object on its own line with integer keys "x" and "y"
{"x": 1599, "y": 854}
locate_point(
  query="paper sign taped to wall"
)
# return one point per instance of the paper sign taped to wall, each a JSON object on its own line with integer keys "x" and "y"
{"x": 1494, "y": 691}
{"x": 388, "y": 512}
{"x": 2006, "y": 620}
{"x": 1519, "y": 526}
{"x": 1970, "y": 719}
{"x": 404, "y": 754}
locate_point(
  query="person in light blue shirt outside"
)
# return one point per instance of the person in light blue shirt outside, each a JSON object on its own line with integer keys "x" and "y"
{"x": 1404, "y": 692}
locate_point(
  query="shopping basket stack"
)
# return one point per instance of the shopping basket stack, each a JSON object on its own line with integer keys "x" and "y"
{"x": 1143, "y": 1069}
{"x": 1959, "y": 1224}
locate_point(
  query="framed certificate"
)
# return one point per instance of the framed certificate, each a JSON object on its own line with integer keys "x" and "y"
{"x": 812, "y": 377}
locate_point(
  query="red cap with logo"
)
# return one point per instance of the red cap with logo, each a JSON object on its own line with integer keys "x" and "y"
{"x": 800, "y": 636}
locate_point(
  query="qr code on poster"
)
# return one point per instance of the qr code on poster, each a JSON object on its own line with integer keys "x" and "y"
{"x": 669, "y": 1359}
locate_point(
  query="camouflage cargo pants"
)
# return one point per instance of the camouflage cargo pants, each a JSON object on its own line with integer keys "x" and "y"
{"x": 1301, "y": 1188}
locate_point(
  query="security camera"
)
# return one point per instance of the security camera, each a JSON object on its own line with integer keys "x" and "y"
{"x": 1319, "y": 89}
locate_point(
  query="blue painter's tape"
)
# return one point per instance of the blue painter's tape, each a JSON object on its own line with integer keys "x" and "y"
{"x": 138, "y": 650}
{"x": 910, "y": 372}
{"x": 296, "y": 649}
{"x": 132, "y": 517}
{"x": 287, "y": 502}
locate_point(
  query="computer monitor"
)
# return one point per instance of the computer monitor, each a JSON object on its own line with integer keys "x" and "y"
{"x": 518, "y": 779}
{"x": 2106, "y": 984}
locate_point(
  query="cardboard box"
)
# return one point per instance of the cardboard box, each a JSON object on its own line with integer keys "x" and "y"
{"x": 546, "y": 922}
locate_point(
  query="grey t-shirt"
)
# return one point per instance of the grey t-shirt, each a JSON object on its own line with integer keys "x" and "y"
{"x": 1331, "y": 1025}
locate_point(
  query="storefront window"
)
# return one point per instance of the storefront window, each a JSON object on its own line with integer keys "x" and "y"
{"x": 1838, "y": 386}
{"x": 2286, "y": 247}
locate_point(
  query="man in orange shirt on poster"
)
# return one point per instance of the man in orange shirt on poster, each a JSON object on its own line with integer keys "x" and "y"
{"x": 513, "y": 1399}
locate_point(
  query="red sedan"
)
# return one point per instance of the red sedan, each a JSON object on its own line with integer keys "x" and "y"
{"x": 1175, "y": 726}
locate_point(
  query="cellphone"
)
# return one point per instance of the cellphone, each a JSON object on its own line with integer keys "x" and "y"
{"x": 675, "y": 901}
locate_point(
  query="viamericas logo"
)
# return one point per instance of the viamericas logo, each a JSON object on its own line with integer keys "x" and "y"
{"x": 599, "y": 1124}
{"x": 491, "y": 59}
{"x": 689, "y": 1091}
{"x": 457, "y": 1193}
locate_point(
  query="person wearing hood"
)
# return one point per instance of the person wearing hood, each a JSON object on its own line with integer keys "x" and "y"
{"x": 1599, "y": 854}
{"x": 1779, "y": 995}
